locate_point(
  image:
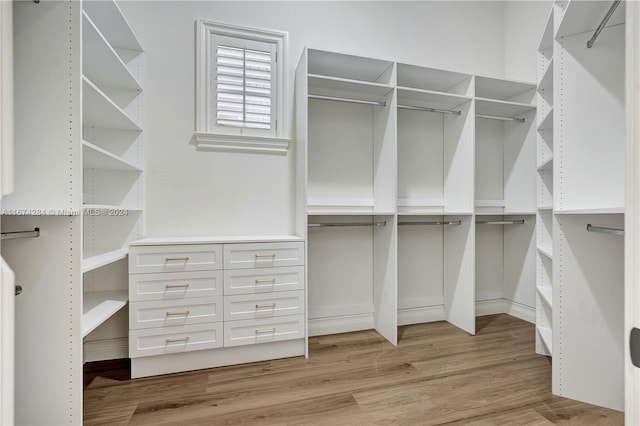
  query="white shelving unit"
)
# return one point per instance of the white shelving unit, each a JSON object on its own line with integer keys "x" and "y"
{"x": 544, "y": 192}
{"x": 82, "y": 166}
{"x": 588, "y": 188}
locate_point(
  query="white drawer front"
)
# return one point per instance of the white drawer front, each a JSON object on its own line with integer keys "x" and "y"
{"x": 253, "y": 306}
{"x": 175, "y": 285}
{"x": 167, "y": 313}
{"x": 248, "y": 332}
{"x": 249, "y": 281}
{"x": 175, "y": 258}
{"x": 154, "y": 341}
{"x": 263, "y": 255}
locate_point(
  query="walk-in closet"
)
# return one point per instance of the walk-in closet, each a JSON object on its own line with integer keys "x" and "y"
{"x": 374, "y": 212}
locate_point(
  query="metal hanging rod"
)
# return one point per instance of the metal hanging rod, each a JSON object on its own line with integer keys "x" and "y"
{"x": 606, "y": 18}
{"x": 353, "y": 101}
{"x": 612, "y": 231}
{"x": 501, "y": 222}
{"x": 454, "y": 222}
{"x": 493, "y": 117}
{"x": 444, "y": 111}
{"x": 21, "y": 234}
{"x": 325, "y": 225}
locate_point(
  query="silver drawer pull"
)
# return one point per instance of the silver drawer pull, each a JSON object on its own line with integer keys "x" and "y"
{"x": 175, "y": 259}
{"x": 266, "y": 306}
{"x": 266, "y": 331}
{"x": 184, "y": 339}
{"x": 266, "y": 281}
{"x": 185, "y": 285}
{"x": 265, "y": 255}
{"x": 184, "y": 313}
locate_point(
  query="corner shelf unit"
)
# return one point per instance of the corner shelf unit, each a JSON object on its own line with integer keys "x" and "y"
{"x": 82, "y": 165}
{"x": 384, "y": 145}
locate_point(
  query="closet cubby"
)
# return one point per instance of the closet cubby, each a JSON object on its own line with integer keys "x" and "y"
{"x": 79, "y": 178}
{"x": 504, "y": 147}
{"x": 351, "y": 134}
{"x": 435, "y": 141}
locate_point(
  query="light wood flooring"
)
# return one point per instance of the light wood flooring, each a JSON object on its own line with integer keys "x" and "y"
{"x": 437, "y": 375}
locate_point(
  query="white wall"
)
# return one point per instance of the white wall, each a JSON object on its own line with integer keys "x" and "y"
{"x": 198, "y": 193}
{"x": 524, "y": 22}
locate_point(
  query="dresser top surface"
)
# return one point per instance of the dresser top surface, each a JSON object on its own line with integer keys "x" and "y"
{"x": 215, "y": 240}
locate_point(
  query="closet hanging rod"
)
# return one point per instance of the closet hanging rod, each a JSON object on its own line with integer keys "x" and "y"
{"x": 606, "y": 18}
{"x": 21, "y": 234}
{"x": 326, "y": 225}
{"x": 455, "y": 222}
{"x": 612, "y": 231}
{"x": 444, "y": 111}
{"x": 494, "y": 117}
{"x": 501, "y": 222}
{"x": 353, "y": 101}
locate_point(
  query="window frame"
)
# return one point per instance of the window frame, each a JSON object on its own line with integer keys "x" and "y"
{"x": 206, "y": 129}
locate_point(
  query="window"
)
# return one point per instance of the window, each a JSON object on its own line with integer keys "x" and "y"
{"x": 240, "y": 86}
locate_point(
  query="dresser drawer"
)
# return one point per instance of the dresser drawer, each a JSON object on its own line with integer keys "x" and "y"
{"x": 175, "y": 258}
{"x": 263, "y": 255}
{"x": 253, "y": 306}
{"x": 167, "y": 313}
{"x": 248, "y": 332}
{"x": 160, "y": 341}
{"x": 250, "y": 281}
{"x": 175, "y": 285}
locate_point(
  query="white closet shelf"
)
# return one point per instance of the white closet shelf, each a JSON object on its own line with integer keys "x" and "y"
{"x": 413, "y": 76}
{"x": 100, "y": 111}
{"x": 546, "y": 82}
{"x": 546, "y": 252}
{"x": 99, "y": 306}
{"x": 100, "y": 63}
{"x": 94, "y": 157}
{"x": 546, "y": 165}
{"x": 505, "y": 213}
{"x": 420, "y": 202}
{"x": 550, "y": 207}
{"x": 500, "y": 108}
{"x": 347, "y": 66}
{"x": 341, "y": 210}
{"x": 546, "y": 293}
{"x": 547, "y": 120}
{"x": 345, "y": 88}
{"x": 582, "y": 16}
{"x": 603, "y": 210}
{"x": 502, "y": 90}
{"x": 430, "y": 99}
{"x": 106, "y": 207}
{"x": 547, "y": 337}
{"x": 546, "y": 42}
{"x": 96, "y": 259}
{"x": 112, "y": 23}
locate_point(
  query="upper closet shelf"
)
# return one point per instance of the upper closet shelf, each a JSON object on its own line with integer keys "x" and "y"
{"x": 504, "y": 90}
{"x": 546, "y": 82}
{"x": 112, "y": 23}
{"x": 96, "y": 259}
{"x": 603, "y": 210}
{"x": 504, "y": 109}
{"x": 411, "y": 76}
{"x": 342, "y": 88}
{"x": 430, "y": 99}
{"x": 94, "y": 157}
{"x": 100, "y": 111}
{"x": 349, "y": 67}
{"x": 582, "y": 16}
{"x": 547, "y": 36}
{"x": 100, "y": 63}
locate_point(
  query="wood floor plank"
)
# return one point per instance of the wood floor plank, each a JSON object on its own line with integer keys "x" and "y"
{"x": 436, "y": 375}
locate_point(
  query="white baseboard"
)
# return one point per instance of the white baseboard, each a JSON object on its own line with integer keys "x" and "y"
{"x": 504, "y": 306}
{"x": 101, "y": 350}
{"x": 341, "y": 324}
{"x": 419, "y": 315}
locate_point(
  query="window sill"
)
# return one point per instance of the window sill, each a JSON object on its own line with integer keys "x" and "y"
{"x": 239, "y": 143}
